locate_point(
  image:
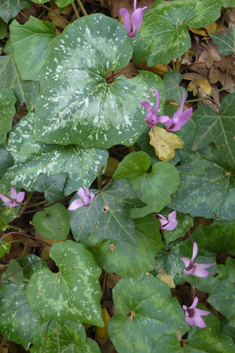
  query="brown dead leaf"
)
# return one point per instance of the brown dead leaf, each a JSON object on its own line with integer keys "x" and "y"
{"x": 165, "y": 143}
{"x": 101, "y": 333}
{"x": 192, "y": 76}
{"x": 211, "y": 28}
{"x": 205, "y": 85}
{"x": 230, "y": 17}
{"x": 216, "y": 74}
{"x": 159, "y": 69}
{"x": 192, "y": 87}
{"x": 112, "y": 165}
{"x": 59, "y": 21}
{"x": 209, "y": 57}
{"x": 205, "y": 31}
{"x": 165, "y": 277}
{"x": 200, "y": 68}
{"x": 129, "y": 71}
{"x": 111, "y": 279}
{"x": 112, "y": 247}
{"x": 200, "y": 31}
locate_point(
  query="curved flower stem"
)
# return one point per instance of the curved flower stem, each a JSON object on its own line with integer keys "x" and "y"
{"x": 99, "y": 177}
{"x": 27, "y": 201}
{"x": 190, "y": 236}
{"x": 209, "y": 95}
{"x": 105, "y": 187}
{"x": 82, "y": 7}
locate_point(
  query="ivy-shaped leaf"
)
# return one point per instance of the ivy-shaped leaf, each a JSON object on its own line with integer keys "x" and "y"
{"x": 174, "y": 92}
{"x": 71, "y": 294}
{"x": 7, "y": 111}
{"x": 163, "y": 34}
{"x": 35, "y": 36}
{"x": 76, "y": 105}
{"x": 225, "y": 42}
{"x": 33, "y": 158}
{"x": 25, "y": 91}
{"x": 17, "y": 321}
{"x": 10, "y": 8}
{"x": 125, "y": 259}
{"x": 51, "y": 185}
{"x": 147, "y": 311}
{"x": 106, "y": 216}
{"x": 206, "y": 189}
{"x": 219, "y": 129}
{"x": 71, "y": 335}
{"x": 223, "y": 299}
{"x": 154, "y": 187}
{"x": 52, "y": 222}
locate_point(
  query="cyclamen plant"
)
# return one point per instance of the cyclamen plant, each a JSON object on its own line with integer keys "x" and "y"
{"x": 117, "y": 236}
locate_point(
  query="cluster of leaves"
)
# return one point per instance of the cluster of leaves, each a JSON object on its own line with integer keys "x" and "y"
{"x": 74, "y": 118}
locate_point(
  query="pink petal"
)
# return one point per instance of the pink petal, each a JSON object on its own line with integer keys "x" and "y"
{"x": 13, "y": 193}
{"x": 92, "y": 196}
{"x": 188, "y": 272}
{"x": 199, "y": 322}
{"x": 181, "y": 107}
{"x": 156, "y": 107}
{"x": 20, "y": 196}
{"x": 172, "y": 216}
{"x": 194, "y": 304}
{"x": 80, "y": 192}
{"x": 203, "y": 266}
{"x": 135, "y": 1}
{"x": 195, "y": 251}
{"x": 199, "y": 312}
{"x": 171, "y": 225}
{"x": 163, "y": 119}
{"x": 86, "y": 200}
{"x": 136, "y": 19}
{"x": 5, "y": 199}
{"x": 170, "y": 124}
{"x": 146, "y": 105}
{"x": 199, "y": 272}
{"x": 75, "y": 204}
{"x": 127, "y": 22}
{"x": 190, "y": 320}
{"x": 185, "y": 308}
{"x": 87, "y": 192}
{"x": 185, "y": 260}
{"x": 183, "y": 119}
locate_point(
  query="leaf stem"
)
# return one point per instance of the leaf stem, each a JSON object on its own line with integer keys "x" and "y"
{"x": 105, "y": 187}
{"x": 173, "y": 65}
{"x": 27, "y": 201}
{"x": 177, "y": 64}
{"x": 99, "y": 177}
{"x": 75, "y": 10}
{"x": 82, "y": 7}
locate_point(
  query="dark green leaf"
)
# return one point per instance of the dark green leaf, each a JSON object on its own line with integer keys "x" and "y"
{"x": 225, "y": 42}
{"x": 6, "y": 161}
{"x": 206, "y": 189}
{"x": 3, "y": 29}
{"x": 52, "y": 222}
{"x": 71, "y": 294}
{"x": 152, "y": 311}
{"x": 4, "y": 247}
{"x": 10, "y": 8}
{"x": 33, "y": 158}
{"x": 52, "y": 186}
{"x": 17, "y": 321}
{"x": 153, "y": 188}
{"x": 125, "y": 259}
{"x": 72, "y": 339}
{"x": 163, "y": 34}
{"x": 174, "y": 92}
{"x": 106, "y": 216}
{"x": 25, "y": 91}
{"x": 7, "y": 111}
{"x": 219, "y": 129}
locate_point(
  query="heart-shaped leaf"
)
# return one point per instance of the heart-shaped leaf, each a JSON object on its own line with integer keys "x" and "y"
{"x": 70, "y": 336}
{"x": 7, "y": 111}
{"x": 33, "y": 158}
{"x": 163, "y": 34}
{"x": 223, "y": 299}
{"x": 35, "y": 36}
{"x": 219, "y": 129}
{"x": 17, "y": 321}
{"x": 147, "y": 312}
{"x": 174, "y": 92}
{"x": 106, "y": 216}
{"x": 153, "y": 188}
{"x": 125, "y": 259}
{"x": 225, "y": 42}
{"x": 6, "y": 161}
{"x": 10, "y": 8}
{"x": 52, "y": 222}
{"x": 76, "y": 105}
{"x": 206, "y": 189}
{"x": 71, "y": 294}
{"x": 51, "y": 185}
{"x": 25, "y": 91}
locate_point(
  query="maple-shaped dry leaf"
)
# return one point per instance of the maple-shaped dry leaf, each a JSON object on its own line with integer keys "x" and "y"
{"x": 165, "y": 277}
{"x": 165, "y": 143}
{"x": 204, "y": 84}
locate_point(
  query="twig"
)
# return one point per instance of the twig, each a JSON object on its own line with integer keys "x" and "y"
{"x": 82, "y": 7}
{"x": 75, "y": 10}
{"x": 105, "y": 187}
{"x": 48, "y": 8}
{"x": 27, "y": 235}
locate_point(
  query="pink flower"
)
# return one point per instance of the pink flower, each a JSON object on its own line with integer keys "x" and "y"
{"x": 86, "y": 199}
{"x": 179, "y": 118}
{"x": 18, "y": 197}
{"x": 193, "y": 315}
{"x": 170, "y": 223}
{"x": 192, "y": 268}
{"x": 152, "y": 117}
{"x": 132, "y": 25}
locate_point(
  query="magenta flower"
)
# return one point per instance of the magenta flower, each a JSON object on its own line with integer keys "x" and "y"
{"x": 193, "y": 315}
{"x": 86, "y": 199}
{"x": 132, "y": 25}
{"x": 170, "y": 223}
{"x": 152, "y": 117}
{"x": 179, "y": 118}
{"x": 192, "y": 268}
{"x": 18, "y": 197}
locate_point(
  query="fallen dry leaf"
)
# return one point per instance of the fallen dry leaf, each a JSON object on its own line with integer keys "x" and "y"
{"x": 101, "y": 333}
{"x": 112, "y": 165}
{"x": 209, "y": 57}
{"x": 165, "y": 143}
{"x": 165, "y": 277}
{"x": 59, "y": 21}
